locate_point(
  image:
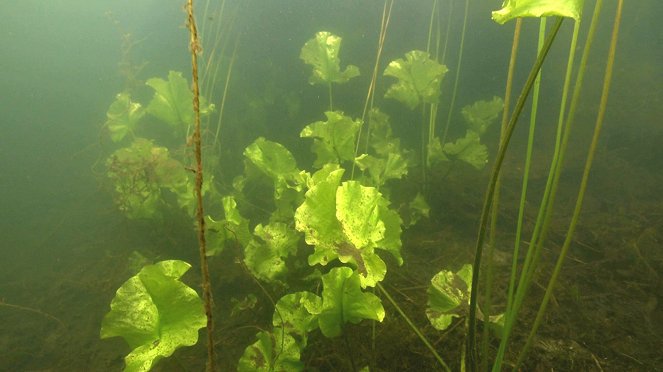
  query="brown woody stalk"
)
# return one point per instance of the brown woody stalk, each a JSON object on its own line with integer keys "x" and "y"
{"x": 195, "y": 47}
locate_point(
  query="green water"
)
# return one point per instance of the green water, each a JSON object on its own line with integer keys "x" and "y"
{"x": 65, "y": 248}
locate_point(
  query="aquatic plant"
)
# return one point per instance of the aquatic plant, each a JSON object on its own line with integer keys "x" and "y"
{"x": 321, "y": 52}
{"x": 155, "y": 313}
{"x": 142, "y": 172}
{"x": 517, "y": 293}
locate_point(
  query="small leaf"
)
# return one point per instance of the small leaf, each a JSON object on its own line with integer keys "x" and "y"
{"x": 468, "y": 149}
{"x": 265, "y": 256}
{"x": 343, "y": 302}
{"x": 275, "y": 161}
{"x": 448, "y": 296}
{"x": 481, "y": 114}
{"x": 122, "y": 116}
{"x": 538, "y": 8}
{"x": 273, "y": 351}
{"x": 419, "y": 78}
{"x": 321, "y": 53}
{"x": 155, "y": 313}
{"x": 298, "y": 313}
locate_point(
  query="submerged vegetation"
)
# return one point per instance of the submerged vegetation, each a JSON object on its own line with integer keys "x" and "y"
{"x": 324, "y": 236}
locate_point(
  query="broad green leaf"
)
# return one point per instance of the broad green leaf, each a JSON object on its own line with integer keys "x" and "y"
{"x": 357, "y": 210}
{"x": 316, "y": 218}
{"x": 538, "y": 8}
{"x": 265, "y": 255}
{"x": 173, "y": 100}
{"x": 481, "y": 114}
{"x": 419, "y": 78}
{"x": 334, "y": 139}
{"x": 343, "y": 301}
{"x": 298, "y": 313}
{"x": 468, "y": 149}
{"x": 122, "y": 116}
{"x": 273, "y": 351}
{"x": 345, "y": 222}
{"x": 155, "y": 313}
{"x": 321, "y": 52}
{"x": 448, "y": 296}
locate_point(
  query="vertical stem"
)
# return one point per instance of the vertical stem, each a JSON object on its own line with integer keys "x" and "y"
{"x": 471, "y": 339}
{"x": 460, "y": 60}
{"x": 331, "y": 105}
{"x": 194, "y": 45}
{"x": 607, "y": 79}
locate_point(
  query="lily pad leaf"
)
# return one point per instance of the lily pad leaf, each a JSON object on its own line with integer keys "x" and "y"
{"x": 321, "y": 52}
{"x": 468, "y": 149}
{"x": 334, "y": 139}
{"x": 481, "y": 114}
{"x": 122, "y": 116}
{"x": 273, "y": 351}
{"x": 155, "y": 313}
{"x": 419, "y": 78}
{"x": 538, "y": 8}
{"x": 448, "y": 296}
{"x": 343, "y": 301}
{"x": 173, "y": 100}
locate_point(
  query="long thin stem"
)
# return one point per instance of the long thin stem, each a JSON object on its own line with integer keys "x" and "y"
{"x": 458, "y": 65}
{"x": 414, "y": 328}
{"x": 194, "y": 45}
{"x": 520, "y": 104}
{"x": 583, "y": 183}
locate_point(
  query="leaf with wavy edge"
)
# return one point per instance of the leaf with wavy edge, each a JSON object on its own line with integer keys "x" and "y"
{"x": 419, "y": 78}
{"x": 321, "y": 52}
{"x": 155, "y": 313}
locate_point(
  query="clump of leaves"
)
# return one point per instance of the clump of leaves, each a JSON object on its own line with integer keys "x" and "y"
{"x": 140, "y": 173}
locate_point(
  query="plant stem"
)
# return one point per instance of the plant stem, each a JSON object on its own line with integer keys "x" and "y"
{"x": 460, "y": 60}
{"x": 414, "y": 327}
{"x": 194, "y": 45}
{"x": 472, "y": 352}
{"x": 583, "y": 183}
{"x": 29, "y": 309}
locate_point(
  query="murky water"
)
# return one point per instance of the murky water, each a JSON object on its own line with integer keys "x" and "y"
{"x": 83, "y": 207}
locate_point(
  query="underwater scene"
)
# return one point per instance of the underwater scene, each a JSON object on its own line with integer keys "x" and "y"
{"x": 340, "y": 185}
